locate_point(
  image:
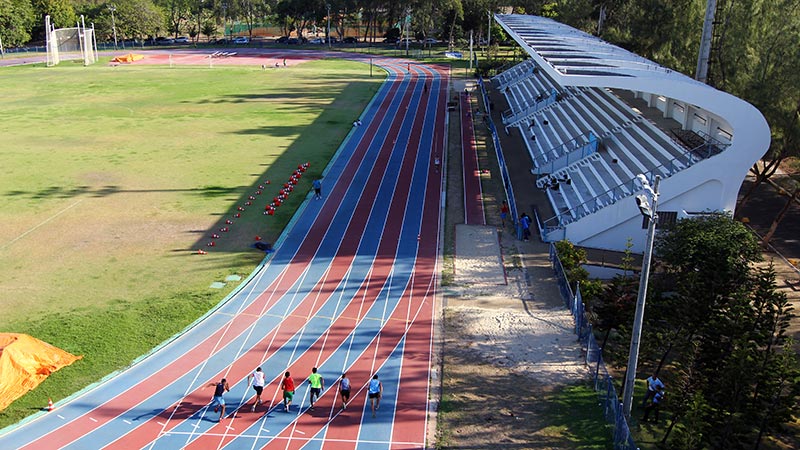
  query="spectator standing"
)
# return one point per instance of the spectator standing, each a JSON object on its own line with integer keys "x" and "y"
{"x": 258, "y": 380}
{"x": 654, "y": 406}
{"x": 525, "y": 222}
{"x": 654, "y": 384}
{"x": 317, "y": 185}
{"x": 503, "y": 213}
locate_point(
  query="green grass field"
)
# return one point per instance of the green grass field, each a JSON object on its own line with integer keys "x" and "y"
{"x": 113, "y": 177}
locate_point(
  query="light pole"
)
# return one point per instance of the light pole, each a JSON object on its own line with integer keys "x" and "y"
{"x": 328, "y": 5}
{"x": 224, "y": 19}
{"x": 489, "y": 31}
{"x": 649, "y": 211}
{"x": 113, "y": 8}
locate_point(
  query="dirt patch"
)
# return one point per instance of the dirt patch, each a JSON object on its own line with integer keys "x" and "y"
{"x": 508, "y": 343}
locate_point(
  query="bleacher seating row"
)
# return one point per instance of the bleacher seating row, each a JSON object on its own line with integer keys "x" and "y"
{"x": 629, "y": 143}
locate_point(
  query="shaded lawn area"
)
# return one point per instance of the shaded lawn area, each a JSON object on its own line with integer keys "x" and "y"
{"x": 114, "y": 177}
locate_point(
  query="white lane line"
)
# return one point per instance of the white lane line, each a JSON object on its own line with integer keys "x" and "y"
{"x": 92, "y": 419}
{"x": 298, "y": 431}
{"x": 313, "y": 439}
{"x": 10, "y": 243}
{"x": 60, "y": 416}
{"x": 161, "y": 424}
{"x": 126, "y": 421}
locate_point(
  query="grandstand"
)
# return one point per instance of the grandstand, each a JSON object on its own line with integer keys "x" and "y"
{"x": 592, "y": 116}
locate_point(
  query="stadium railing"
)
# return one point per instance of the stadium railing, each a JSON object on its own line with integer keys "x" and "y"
{"x": 498, "y": 150}
{"x": 603, "y": 383}
{"x": 556, "y": 224}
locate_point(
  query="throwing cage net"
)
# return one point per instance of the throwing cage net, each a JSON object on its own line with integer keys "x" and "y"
{"x": 70, "y": 43}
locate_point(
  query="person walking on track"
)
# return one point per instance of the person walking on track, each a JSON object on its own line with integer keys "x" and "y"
{"x": 258, "y": 380}
{"x": 317, "y": 385}
{"x": 217, "y": 401}
{"x": 344, "y": 390}
{"x": 287, "y": 384}
{"x": 375, "y": 391}
{"x": 317, "y": 185}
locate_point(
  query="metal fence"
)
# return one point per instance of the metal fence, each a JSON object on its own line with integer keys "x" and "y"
{"x": 603, "y": 383}
{"x": 498, "y": 150}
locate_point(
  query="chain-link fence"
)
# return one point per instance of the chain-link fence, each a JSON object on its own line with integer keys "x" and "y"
{"x": 603, "y": 383}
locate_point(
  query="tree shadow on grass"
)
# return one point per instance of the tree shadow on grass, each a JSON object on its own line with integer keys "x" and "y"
{"x": 62, "y": 192}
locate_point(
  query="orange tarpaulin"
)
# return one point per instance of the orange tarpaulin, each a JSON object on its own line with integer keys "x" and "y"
{"x": 129, "y": 58}
{"x": 25, "y": 362}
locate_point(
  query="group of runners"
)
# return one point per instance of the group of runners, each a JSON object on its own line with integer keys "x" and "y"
{"x": 316, "y": 386}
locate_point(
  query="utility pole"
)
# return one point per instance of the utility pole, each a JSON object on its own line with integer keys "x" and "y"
{"x": 650, "y": 212}
{"x": 489, "y": 31}
{"x": 113, "y": 8}
{"x": 470, "y": 50}
{"x": 328, "y": 5}
{"x": 407, "y": 20}
{"x": 701, "y": 73}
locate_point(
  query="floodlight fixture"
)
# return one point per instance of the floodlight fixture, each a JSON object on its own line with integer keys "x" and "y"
{"x": 644, "y": 206}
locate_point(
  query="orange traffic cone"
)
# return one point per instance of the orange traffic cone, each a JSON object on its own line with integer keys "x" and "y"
{"x": 50, "y": 406}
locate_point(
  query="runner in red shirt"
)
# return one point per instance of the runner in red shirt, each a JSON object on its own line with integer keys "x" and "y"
{"x": 287, "y": 384}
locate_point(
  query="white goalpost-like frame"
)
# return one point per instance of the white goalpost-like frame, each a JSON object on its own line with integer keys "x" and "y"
{"x": 70, "y": 43}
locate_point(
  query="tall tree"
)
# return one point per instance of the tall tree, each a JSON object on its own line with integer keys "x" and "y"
{"x": 61, "y": 12}
{"x": 16, "y": 21}
{"x": 138, "y": 18}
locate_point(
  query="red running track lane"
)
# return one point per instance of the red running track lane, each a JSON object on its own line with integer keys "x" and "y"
{"x": 342, "y": 327}
{"x": 412, "y": 320}
{"x": 143, "y": 434}
{"x": 239, "y": 324}
{"x": 473, "y": 196}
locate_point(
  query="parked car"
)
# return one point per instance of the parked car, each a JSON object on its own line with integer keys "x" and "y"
{"x": 241, "y": 40}
{"x": 181, "y": 40}
{"x": 430, "y": 41}
{"x": 282, "y": 40}
{"x": 350, "y": 40}
{"x": 390, "y": 40}
{"x": 164, "y": 41}
{"x": 317, "y": 41}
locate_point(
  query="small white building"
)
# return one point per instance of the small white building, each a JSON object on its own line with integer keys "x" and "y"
{"x": 593, "y": 116}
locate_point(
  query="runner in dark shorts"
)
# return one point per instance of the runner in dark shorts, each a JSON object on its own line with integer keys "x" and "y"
{"x": 258, "y": 380}
{"x": 344, "y": 390}
{"x": 375, "y": 389}
{"x": 317, "y": 385}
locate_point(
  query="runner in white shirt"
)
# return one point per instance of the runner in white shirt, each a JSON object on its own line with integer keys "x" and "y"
{"x": 258, "y": 384}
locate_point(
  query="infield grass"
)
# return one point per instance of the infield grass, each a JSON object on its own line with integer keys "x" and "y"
{"x": 112, "y": 179}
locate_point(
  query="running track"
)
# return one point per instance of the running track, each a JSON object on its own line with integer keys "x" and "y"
{"x": 473, "y": 195}
{"x": 351, "y": 287}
